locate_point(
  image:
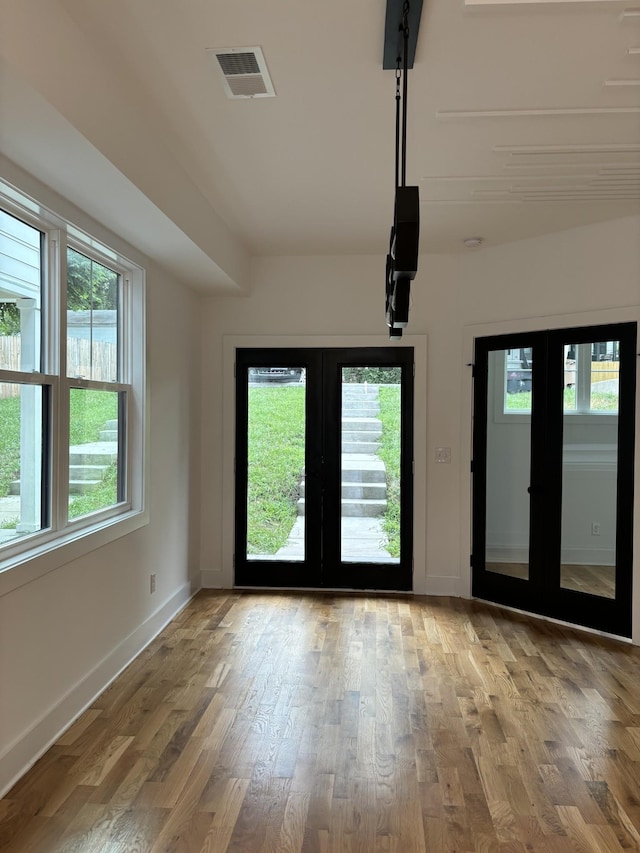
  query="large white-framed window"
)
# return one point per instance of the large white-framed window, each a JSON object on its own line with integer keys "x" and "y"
{"x": 590, "y": 380}
{"x": 72, "y": 384}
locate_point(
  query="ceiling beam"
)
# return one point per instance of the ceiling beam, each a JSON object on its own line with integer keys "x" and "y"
{"x": 393, "y": 32}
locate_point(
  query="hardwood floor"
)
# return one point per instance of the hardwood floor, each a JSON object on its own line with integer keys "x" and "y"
{"x": 332, "y": 723}
{"x": 595, "y": 580}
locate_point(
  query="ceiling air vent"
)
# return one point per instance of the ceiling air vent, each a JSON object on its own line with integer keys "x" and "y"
{"x": 244, "y": 71}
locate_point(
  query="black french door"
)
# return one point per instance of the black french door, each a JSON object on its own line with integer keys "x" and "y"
{"x": 324, "y": 453}
{"x": 553, "y": 456}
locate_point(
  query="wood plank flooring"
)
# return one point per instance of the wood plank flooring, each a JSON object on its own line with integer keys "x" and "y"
{"x": 595, "y": 580}
{"x": 283, "y": 722}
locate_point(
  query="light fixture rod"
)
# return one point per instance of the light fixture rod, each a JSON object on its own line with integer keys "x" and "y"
{"x": 405, "y": 76}
{"x": 398, "y": 77}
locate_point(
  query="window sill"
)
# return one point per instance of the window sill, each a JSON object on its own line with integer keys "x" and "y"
{"x": 523, "y": 416}
{"x": 45, "y": 557}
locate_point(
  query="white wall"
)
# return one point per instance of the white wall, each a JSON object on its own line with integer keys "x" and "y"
{"x": 66, "y": 634}
{"x": 583, "y": 276}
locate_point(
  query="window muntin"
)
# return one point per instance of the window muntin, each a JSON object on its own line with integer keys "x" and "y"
{"x": 41, "y": 275}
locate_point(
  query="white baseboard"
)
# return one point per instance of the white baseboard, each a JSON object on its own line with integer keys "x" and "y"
{"x": 508, "y": 554}
{"x": 588, "y": 556}
{"x": 27, "y": 748}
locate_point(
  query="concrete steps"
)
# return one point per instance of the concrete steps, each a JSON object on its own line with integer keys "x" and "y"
{"x": 88, "y": 465}
{"x": 361, "y": 434}
{"x": 369, "y": 448}
{"x": 363, "y": 488}
{"x": 364, "y": 408}
{"x": 364, "y": 481}
{"x": 110, "y": 431}
{"x": 364, "y": 484}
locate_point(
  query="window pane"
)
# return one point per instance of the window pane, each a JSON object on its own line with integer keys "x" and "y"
{"x": 92, "y": 319}
{"x": 518, "y": 365}
{"x": 21, "y": 408}
{"x": 20, "y": 294}
{"x": 276, "y": 458}
{"x": 93, "y": 450}
{"x": 605, "y": 376}
{"x": 370, "y": 464}
{"x": 591, "y": 377}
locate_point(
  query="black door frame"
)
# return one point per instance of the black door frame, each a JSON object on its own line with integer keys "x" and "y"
{"x": 542, "y": 592}
{"x": 322, "y": 567}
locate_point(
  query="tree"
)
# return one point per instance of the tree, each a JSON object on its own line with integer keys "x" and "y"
{"x": 373, "y": 375}
{"x": 90, "y": 285}
{"x": 9, "y": 319}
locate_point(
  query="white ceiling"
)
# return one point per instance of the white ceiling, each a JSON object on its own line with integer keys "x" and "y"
{"x": 524, "y": 119}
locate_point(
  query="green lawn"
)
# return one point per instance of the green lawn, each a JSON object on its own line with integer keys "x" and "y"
{"x": 600, "y": 401}
{"x": 389, "y": 397}
{"x": 89, "y": 412}
{"x": 9, "y": 442}
{"x": 105, "y": 495}
{"x": 276, "y": 432}
{"x": 276, "y": 461}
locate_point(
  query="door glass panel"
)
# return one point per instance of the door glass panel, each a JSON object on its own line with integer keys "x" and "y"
{"x": 276, "y": 459}
{"x": 508, "y": 478}
{"x": 589, "y": 469}
{"x": 370, "y": 464}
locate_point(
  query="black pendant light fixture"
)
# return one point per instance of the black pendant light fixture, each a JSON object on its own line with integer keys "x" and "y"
{"x": 401, "y": 32}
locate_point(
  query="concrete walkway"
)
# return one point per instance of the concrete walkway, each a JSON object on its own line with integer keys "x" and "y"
{"x": 363, "y": 489}
{"x": 363, "y": 540}
{"x": 9, "y": 511}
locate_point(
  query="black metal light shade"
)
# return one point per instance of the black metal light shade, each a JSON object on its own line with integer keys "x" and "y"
{"x": 407, "y": 232}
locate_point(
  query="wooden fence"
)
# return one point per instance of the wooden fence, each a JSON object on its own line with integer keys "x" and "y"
{"x": 97, "y": 360}
{"x": 603, "y": 370}
{"x": 10, "y": 352}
